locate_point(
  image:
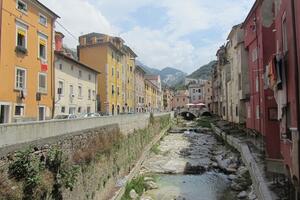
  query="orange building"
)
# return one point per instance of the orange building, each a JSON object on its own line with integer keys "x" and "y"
{"x": 26, "y": 60}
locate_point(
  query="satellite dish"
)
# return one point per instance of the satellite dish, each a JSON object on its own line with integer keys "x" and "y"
{"x": 267, "y": 13}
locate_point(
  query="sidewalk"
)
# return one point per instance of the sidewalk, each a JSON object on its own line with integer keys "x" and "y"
{"x": 251, "y": 147}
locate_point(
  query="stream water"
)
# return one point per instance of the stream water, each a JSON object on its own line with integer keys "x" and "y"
{"x": 188, "y": 166}
{"x": 208, "y": 186}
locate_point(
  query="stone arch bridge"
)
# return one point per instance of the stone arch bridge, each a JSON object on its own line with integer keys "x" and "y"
{"x": 192, "y": 113}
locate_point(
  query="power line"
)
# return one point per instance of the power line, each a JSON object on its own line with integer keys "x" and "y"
{"x": 69, "y": 32}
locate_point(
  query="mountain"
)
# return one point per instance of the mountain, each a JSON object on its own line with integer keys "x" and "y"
{"x": 203, "y": 72}
{"x": 169, "y": 76}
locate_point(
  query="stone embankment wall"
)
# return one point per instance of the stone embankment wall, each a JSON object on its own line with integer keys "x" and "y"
{"x": 83, "y": 164}
{"x": 258, "y": 180}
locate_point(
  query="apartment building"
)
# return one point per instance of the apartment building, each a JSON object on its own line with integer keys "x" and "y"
{"x": 208, "y": 95}
{"x": 139, "y": 84}
{"x": 180, "y": 99}
{"x": 155, "y": 79}
{"x": 196, "y": 93}
{"x": 168, "y": 96}
{"x": 128, "y": 79}
{"x": 75, "y": 83}
{"x": 26, "y": 60}
{"x": 238, "y": 86}
{"x": 106, "y": 54}
{"x": 151, "y": 96}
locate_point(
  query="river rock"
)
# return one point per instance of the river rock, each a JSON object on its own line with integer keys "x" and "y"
{"x": 146, "y": 198}
{"x": 231, "y": 170}
{"x": 237, "y": 187}
{"x": 133, "y": 194}
{"x": 232, "y": 177}
{"x": 242, "y": 171}
{"x": 194, "y": 169}
{"x": 151, "y": 185}
{"x": 242, "y": 195}
{"x": 148, "y": 179}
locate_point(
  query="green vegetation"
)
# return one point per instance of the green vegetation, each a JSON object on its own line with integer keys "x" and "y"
{"x": 205, "y": 122}
{"x": 155, "y": 149}
{"x": 42, "y": 175}
{"x": 203, "y": 72}
{"x": 137, "y": 184}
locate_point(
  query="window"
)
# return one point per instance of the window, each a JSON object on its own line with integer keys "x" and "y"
{"x": 88, "y": 109}
{"x": 42, "y": 82}
{"x": 130, "y": 69}
{"x": 256, "y": 84}
{"x": 19, "y": 110}
{"x": 60, "y": 87}
{"x": 21, "y": 40}
{"x": 71, "y": 90}
{"x": 257, "y": 112}
{"x": 63, "y": 109}
{"x": 20, "y": 79}
{"x": 240, "y": 81}
{"x": 79, "y": 91}
{"x": 60, "y": 66}
{"x": 42, "y": 46}
{"x": 80, "y": 73}
{"x": 43, "y": 20}
{"x": 90, "y": 77}
{"x": 72, "y": 67}
{"x": 118, "y": 91}
{"x": 284, "y": 35}
{"x": 22, "y": 6}
{"x": 236, "y": 111}
{"x": 79, "y": 109}
{"x": 89, "y": 94}
{"x": 254, "y": 54}
{"x": 112, "y": 89}
{"x": 94, "y": 95}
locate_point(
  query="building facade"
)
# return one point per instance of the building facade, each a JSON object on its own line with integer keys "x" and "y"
{"x": 180, "y": 99}
{"x": 26, "y": 60}
{"x": 167, "y": 99}
{"x": 155, "y": 79}
{"x": 208, "y": 95}
{"x": 110, "y": 57}
{"x": 75, "y": 83}
{"x": 262, "y": 107}
{"x": 197, "y": 93}
{"x": 151, "y": 96}
{"x": 139, "y": 80}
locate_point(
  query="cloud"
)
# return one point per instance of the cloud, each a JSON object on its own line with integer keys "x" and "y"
{"x": 169, "y": 45}
{"x": 79, "y": 17}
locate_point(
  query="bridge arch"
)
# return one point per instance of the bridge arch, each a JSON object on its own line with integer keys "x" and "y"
{"x": 187, "y": 115}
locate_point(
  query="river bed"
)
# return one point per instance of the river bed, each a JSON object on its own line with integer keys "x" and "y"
{"x": 194, "y": 165}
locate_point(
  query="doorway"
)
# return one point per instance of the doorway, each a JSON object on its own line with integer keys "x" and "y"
{"x": 4, "y": 114}
{"x": 42, "y": 113}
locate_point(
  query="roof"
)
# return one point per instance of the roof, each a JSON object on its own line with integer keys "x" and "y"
{"x": 127, "y": 48}
{"x": 257, "y": 2}
{"x": 137, "y": 67}
{"x": 233, "y": 30}
{"x": 151, "y": 83}
{"x": 58, "y": 53}
{"x": 47, "y": 9}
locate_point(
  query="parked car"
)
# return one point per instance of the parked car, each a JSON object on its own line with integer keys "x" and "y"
{"x": 66, "y": 116}
{"x": 92, "y": 115}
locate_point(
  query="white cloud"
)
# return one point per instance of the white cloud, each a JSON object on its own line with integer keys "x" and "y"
{"x": 157, "y": 47}
{"x": 79, "y": 17}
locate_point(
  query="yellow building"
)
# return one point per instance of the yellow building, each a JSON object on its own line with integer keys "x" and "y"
{"x": 115, "y": 61}
{"x": 26, "y": 61}
{"x": 152, "y": 91}
{"x": 128, "y": 86}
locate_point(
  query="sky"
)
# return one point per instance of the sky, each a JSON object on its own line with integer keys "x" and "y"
{"x": 183, "y": 34}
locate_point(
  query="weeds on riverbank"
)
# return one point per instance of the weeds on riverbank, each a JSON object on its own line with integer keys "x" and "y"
{"x": 138, "y": 185}
{"x": 205, "y": 122}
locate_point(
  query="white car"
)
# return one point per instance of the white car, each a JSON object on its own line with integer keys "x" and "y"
{"x": 66, "y": 116}
{"x": 92, "y": 115}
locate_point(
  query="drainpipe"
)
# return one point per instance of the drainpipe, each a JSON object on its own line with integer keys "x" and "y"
{"x": 297, "y": 72}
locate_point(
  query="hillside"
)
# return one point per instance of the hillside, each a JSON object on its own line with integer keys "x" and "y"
{"x": 203, "y": 72}
{"x": 169, "y": 76}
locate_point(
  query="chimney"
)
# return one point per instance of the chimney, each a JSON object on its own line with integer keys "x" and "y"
{"x": 59, "y": 41}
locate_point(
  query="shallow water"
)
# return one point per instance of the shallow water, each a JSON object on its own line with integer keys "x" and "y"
{"x": 208, "y": 186}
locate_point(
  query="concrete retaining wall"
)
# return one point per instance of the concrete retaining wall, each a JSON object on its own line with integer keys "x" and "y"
{"x": 14, "y": 134}
{"x": 258, "y": 180}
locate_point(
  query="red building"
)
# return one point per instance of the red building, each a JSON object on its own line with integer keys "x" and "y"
{"x": 287, "y": 31}
{"x": 262, "y": 107}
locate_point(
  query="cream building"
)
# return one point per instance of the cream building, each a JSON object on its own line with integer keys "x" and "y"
{"x": 75, "y": 83}
{"x": 208, "y": 99}
{"x": 239, "y": 84}
{"x": 196, "y": 93}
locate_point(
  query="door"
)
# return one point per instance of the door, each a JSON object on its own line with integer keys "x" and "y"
{"x": 72, "y": 110}
{"x": 42, "y": 113}
{"x": 4, "y": 114}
